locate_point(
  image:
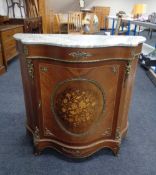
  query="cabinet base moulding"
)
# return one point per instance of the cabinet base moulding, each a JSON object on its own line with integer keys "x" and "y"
{"x": 75, "y": 151}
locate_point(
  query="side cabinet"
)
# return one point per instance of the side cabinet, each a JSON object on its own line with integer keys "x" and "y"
{"x": 77, "y": 100}
{"x": 8, "y": 44}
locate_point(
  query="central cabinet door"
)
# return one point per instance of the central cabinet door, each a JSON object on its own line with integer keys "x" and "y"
{"x": 78, "y": 100}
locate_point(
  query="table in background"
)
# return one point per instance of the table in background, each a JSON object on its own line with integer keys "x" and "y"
{"x": 131, "y": 21}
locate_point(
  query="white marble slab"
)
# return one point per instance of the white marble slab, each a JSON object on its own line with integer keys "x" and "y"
{"x": 79, "y": 41}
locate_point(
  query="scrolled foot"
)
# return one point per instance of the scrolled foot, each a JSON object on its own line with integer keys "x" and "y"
{"x": 125, "y": 134}
{"x": 116, "y": 151}
{"x": 28, "y": 133}
{"x": 37, "y": 152}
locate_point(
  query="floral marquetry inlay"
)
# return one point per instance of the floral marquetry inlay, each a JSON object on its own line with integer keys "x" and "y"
{"x": 77, "y": 106}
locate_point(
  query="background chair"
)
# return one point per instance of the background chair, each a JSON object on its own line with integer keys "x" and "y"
{"x": 60, "y": 23}
{"x": 75, "y": 22}
{"x": 121, "y": 27}
{"x": 11, "y": 5}
{"x": 56, "y": 24}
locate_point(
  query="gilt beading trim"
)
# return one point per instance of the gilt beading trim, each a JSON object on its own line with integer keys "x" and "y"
{"x": 76, "y": 152}
{"x": 77, "y": 60}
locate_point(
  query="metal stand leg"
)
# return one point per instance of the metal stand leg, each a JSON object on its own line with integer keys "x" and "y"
{"x": 135, "y": 30}
{"x": 122, "y": 27}
{"x": 7, "y": 7}
{"x": 129, "y": 27}
{"x": 113, "y": 26}
{"x": 151, "y": 33}
{"x": 19, "y": 5}
{"x": 13, "y": 8}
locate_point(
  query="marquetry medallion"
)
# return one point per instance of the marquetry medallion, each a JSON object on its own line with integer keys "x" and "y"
{"x": 77, "y": 104}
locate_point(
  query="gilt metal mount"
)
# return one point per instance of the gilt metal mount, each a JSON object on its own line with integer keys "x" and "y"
{"x": 118, "y": 134}
{"x": 79, "y": 54}
{"x": 44, "y": 69}
{"x": 30, "y": 67}
{"x": 36, "y": 135}
{"x": 26, "y": 51}
{"x": 128, "y": 69}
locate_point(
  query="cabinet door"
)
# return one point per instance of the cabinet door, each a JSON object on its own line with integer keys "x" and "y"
{"x": 78, "y": 100}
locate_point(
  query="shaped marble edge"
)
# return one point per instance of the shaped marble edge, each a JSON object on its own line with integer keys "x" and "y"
{"x": 79, "y": 41}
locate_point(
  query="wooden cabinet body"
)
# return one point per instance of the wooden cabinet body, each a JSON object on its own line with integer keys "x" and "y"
{"x": 2, "y": 67}
{"x": 77, "y": 99}
{"x": 8, "y": 43}
{"x": 102, "y": 13}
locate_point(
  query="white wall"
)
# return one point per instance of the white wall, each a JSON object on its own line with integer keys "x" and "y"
{"x": 115, "y": 5}
{"x": 68, "y": 5}
{"x": 151, "y": 5}
{"x": 63, "y": 6}
{"x": 3, "y": 7}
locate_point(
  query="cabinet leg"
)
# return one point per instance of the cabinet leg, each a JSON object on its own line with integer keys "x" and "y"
{"x": 116, "y": 151}
{"x": 125, "y": 134}
{"x": 28, "y": 133}
{"x": 37, "y": 152}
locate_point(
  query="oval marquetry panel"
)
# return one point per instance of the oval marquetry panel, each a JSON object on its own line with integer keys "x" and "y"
{"x": 77, "y": 104}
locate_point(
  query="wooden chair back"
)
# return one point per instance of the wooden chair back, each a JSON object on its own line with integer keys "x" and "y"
{"x": 118, "y": 24}
{"x": 75, "y": 22}
{"x": 121, "y": 27}
{"x": 56, "y": 24}
{"x": 93, "y": 27}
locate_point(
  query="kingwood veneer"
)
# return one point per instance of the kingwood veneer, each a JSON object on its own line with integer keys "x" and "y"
{"x": 77, "y": 90}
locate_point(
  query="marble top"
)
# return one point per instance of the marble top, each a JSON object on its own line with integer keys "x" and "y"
{"x": 79, "y": 41}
